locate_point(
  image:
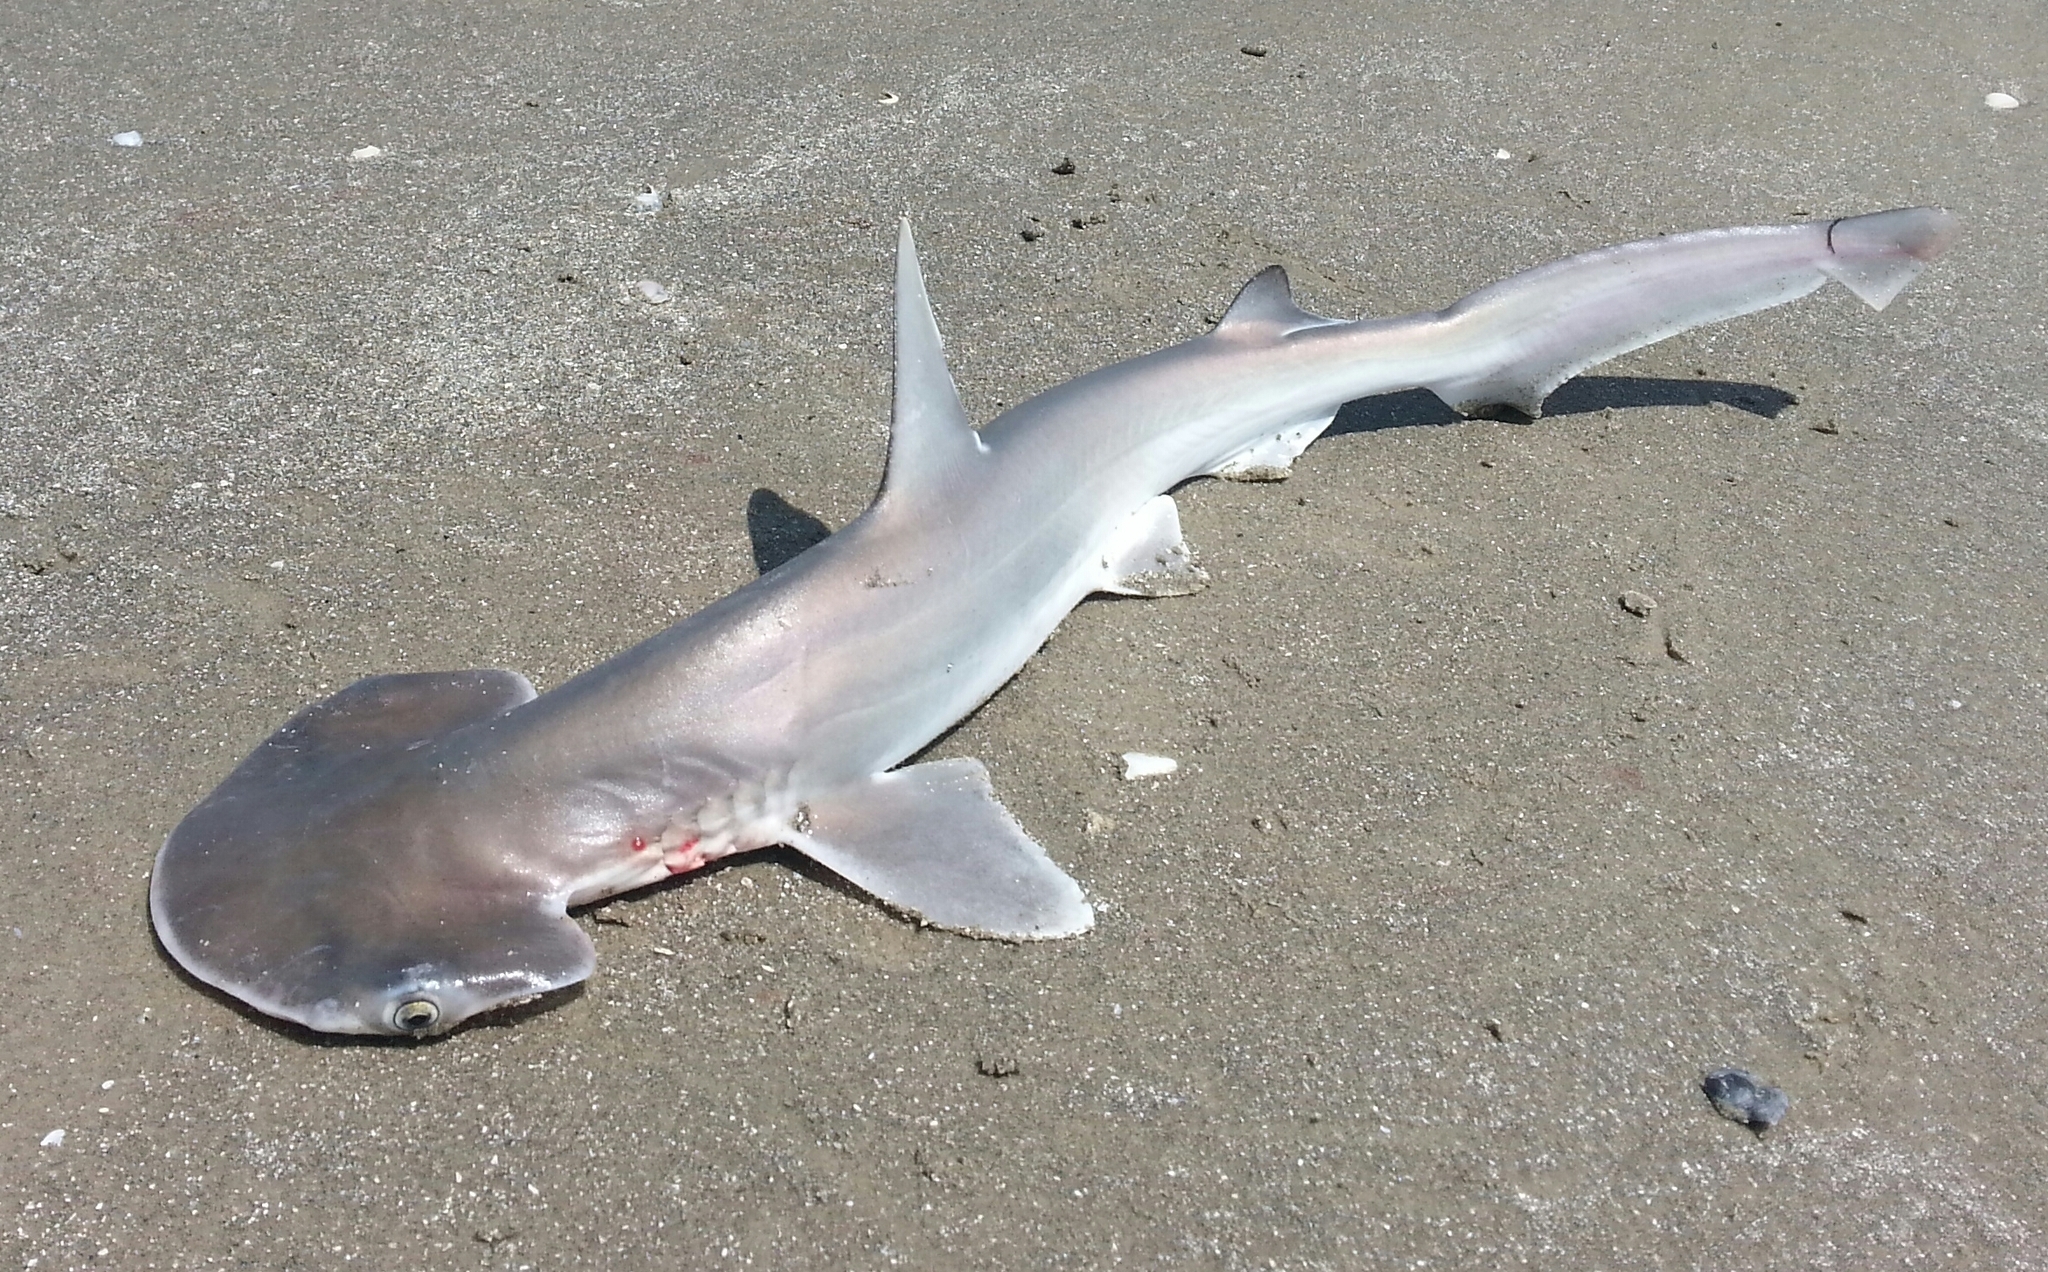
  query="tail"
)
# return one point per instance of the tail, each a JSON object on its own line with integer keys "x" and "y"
{"x": 1532, "y": 332}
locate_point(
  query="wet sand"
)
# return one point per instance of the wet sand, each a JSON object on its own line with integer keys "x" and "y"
{"x": 1468, "y": 873}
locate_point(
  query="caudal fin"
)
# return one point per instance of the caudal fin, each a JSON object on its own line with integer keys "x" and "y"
{"x": 1875, "y": 256}
{"x": 1525, "y": 335}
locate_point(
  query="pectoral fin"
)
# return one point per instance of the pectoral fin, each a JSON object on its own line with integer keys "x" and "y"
{"x": 933, "y": 841}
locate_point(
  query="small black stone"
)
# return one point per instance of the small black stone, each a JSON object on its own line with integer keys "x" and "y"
{"x": 1065, "y": 167}
{"x": 1254, "y": 50}
{"x": 1738, "y": 1096}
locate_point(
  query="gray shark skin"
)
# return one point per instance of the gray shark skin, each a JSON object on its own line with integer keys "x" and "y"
{"x": 402, "y": 855}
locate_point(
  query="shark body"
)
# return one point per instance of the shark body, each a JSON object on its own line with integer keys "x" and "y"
{"x": 402, "y": 855}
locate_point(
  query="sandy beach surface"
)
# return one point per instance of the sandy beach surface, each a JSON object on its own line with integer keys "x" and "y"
{"x": 1468, "y": 873}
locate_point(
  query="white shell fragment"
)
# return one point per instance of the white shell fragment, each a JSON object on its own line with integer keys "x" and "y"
{"x": 2001, "y": 101}
{"x": 652, "y": 292}
{"x": 1502, "y": 154}
{"x": 363, "y": 154}
{"x": 1137, "y": 764}
{"x": 55, "y": 1139}
{"x": 647, "y": 202}
{"x": 888, "y": 99}
{"x": 126, "y": 139}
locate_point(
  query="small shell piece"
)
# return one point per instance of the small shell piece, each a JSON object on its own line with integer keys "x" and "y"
{"x": 1738, "y": 1096}
{"x": 363, "y": 154}
{"x": 55, "y": 1139}
{"x": 2001, "y": 101}
{"x": 126, "y": 139}
{"x": 652, "y": 292}
{"x": 648, "y": 202}
{"x": 1137, "y": 765}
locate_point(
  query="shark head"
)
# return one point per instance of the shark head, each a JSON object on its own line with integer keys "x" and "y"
{"x": 345, "y": 879}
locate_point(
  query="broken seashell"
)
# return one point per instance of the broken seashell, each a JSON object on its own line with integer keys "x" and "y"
{"x": 1137, "y": 764}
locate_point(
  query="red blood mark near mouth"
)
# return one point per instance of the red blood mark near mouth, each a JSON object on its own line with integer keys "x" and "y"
{"x": 639, "y": 844}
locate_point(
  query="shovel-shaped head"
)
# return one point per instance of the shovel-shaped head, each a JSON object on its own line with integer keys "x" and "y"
{"x": 350, "y": 875}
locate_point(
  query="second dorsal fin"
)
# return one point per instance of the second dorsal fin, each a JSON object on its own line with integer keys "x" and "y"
{"x": 930, "y": 439}
{"x": 1267, "y": 303}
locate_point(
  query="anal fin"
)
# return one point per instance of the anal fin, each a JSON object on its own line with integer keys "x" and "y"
{"x": 1272, "y": 456}
{"x": 1147, "y": 556}
{"x": 933, "y": 841}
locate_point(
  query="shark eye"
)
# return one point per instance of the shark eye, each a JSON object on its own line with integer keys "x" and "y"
{"x": 415, "y": 1015}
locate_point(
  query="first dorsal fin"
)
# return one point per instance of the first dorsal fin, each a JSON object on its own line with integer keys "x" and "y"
{"x": 1267, "y": 302}
{"x": 929, "y": 436}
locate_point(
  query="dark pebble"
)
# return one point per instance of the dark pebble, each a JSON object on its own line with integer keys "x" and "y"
{"x": 1064, "y": 168}
{"x": 1739, "y": 1097}
{"x": 1253, "y": 50}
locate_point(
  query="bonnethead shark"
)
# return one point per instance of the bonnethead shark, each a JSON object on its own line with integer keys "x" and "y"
{"x": 404, "y": 854}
